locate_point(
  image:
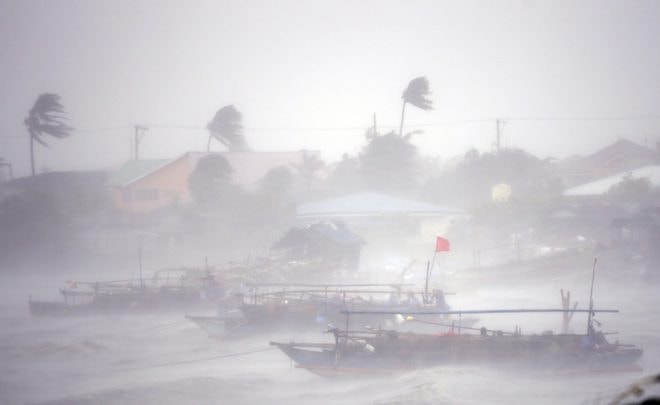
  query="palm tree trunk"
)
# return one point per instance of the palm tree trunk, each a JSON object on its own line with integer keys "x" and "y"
{"x": 208, "y": 144}
{"x": 32, "y": 152}
{"x": 403, "y": 113}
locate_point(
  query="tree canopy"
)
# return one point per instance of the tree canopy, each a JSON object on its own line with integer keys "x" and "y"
{"x": 389, "y": 163}
{"x": 210, "y": 180}
{"x": 46, "y": 117}
{"x": 227, "y": 128}
{"x": 417, "y": 93}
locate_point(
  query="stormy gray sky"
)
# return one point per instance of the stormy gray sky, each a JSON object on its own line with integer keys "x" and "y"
{"x": 309, "y": 74}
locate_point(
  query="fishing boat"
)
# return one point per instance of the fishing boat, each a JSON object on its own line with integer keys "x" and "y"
{"x": 391, "y": 350}
{"x": 309, "y": 306}
{"x": 170, "y": 289}
{"x": 385, "y": 351}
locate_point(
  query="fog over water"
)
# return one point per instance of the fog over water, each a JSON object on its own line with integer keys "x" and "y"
{"x": 183, "y": 183}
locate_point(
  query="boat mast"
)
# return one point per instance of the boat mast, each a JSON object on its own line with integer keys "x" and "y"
{"x": 591, "y": 300}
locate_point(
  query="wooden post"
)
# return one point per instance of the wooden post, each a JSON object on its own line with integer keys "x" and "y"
{"x": 140, "y": 264}
{"x": 566, "y": 305}
{"x": 426, "y": 285}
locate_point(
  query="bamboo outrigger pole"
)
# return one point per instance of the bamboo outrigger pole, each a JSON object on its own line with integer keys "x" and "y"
{"x": 481, "y": 311}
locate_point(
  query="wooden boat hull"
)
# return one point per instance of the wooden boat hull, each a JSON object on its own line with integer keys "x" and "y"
{"x": 221, "y": 327}
{"x": 119, "y": 303}
{"x": 396, "y": 352}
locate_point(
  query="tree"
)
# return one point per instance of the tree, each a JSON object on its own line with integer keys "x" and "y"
{"x": 273, "y": 203}
{"x": 389, "y": 162}
{"x": 471, "y": 180}
{"x": 310, "y": 164}
{"x": 345, "y": 176}
{"x": 416, "y": 94}
{"x": 227, "y": 128}
{"x": 46, "y": 117}
{"x": 278, "y": 180}
{"x": 632, "y": 189}
{"x": 211, "y": 180}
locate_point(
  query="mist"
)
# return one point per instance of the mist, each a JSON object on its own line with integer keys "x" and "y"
{"x": 331, "y": 202}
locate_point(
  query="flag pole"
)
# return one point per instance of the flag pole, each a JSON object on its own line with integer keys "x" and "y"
{"x": 429, "y": 271}
{"x": 438, "y": 247}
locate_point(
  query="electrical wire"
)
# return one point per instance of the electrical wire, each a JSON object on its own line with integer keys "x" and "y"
{"x": 99, "y": 131}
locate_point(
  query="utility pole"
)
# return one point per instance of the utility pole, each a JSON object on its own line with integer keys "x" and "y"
{"x": 499, "y": 124}
{"x": 138, "y": 134}
{"x": 375, "y": 126}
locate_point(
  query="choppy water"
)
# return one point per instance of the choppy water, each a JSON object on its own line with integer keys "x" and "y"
{"x": 148, "y": 359}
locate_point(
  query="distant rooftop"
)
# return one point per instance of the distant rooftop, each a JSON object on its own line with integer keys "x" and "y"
{"x": 248, "y": 167}
{"x": 622, "y": 148}
{"x": 602, "y": 186}
{"x": 371, "y": 204}
{"x": 133, "y": 170}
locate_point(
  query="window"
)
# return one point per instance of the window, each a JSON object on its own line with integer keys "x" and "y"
{"x": 146, "y": 194}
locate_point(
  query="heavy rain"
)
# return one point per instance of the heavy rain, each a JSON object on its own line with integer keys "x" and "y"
{"x": 329, "y": 202}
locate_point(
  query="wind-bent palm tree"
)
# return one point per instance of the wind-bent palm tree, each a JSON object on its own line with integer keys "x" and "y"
{"x": 227, "y": 128}
{"x": 46, "y": 118}
{"x": 310, "y": 164}
{"x": 416, "y": 94}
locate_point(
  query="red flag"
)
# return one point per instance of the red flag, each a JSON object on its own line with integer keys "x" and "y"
{"x": 441, "y": 244}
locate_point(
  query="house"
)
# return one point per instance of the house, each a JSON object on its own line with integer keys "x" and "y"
{"x": 330, "y": 244}
{"x": 72, "y": 192}
{"x": 146, "y": 185}
{"x": 392, "y": 226}
{"x": 622, "y": 155}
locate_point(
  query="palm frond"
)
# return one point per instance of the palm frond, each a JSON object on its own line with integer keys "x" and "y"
{"x": 46, "y": 117}
{"x": 227, "y": 128}
{"x": 417, "y": 93}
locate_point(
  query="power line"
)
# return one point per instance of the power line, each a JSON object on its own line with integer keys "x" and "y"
{"x": 92, "y": 131}
{"x": 99, "y": 131}
{"x": 312, "y": 129}
{"x": 621, "y": 118}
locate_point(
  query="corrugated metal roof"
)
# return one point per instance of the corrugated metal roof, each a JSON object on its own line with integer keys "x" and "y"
{"x": 368, "y": 204}
{"x": 133, "y": 170}
{"x": 602, "y": 186}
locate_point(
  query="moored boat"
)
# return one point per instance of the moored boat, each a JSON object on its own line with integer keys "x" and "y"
{"x": 391, "y": 351}
{"x": 309, "y": 306}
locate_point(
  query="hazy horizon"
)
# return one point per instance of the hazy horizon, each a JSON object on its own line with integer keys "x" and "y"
{"x": 310, "y": 76}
